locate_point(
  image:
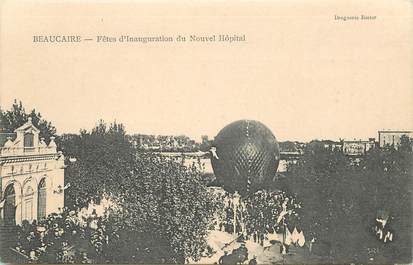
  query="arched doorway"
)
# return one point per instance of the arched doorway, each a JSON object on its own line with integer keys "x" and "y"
{"x": 41, "y": 199}
{"x": 10, "y": 205}
{"x": 28, "y": 204}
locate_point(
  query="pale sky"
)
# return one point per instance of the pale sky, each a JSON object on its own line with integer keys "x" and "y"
{"x": 301, "y": 72}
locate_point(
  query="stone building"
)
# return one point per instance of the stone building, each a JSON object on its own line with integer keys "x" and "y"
{"x": 31, "y": 176}
{"x": 392, "y": 137}
{"x": 357, "y": 147}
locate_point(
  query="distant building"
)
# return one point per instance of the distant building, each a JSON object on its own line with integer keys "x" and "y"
{"x": 332, "y": 145}
{"x": 392, "y": 138}
{"x": 287, "y": 146}
{"x": 358, "y": 147}
{"x": 31, "y": 176}
{"x": 164, "y": 143}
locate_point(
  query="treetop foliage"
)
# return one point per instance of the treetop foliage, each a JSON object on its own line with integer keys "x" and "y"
{"x": 17, "y": 116}
{"x": 343, "y": 196}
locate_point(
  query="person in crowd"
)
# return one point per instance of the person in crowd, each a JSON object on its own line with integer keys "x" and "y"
{"x": 253, "y": 261}
{"x": 221, "y": 259}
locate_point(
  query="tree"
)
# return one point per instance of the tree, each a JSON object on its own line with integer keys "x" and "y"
{"x": 17, "y": 116}
{"x": 164, "y": 214}
{"x": 386, "y": 178}
{"x": 323, "y": 180}
{"x": 104, "y": 163}
{"x": 157, "y": 199}
{"x": 342, "y": 197}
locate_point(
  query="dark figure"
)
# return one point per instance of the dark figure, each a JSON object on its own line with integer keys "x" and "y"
{"x": 230, "y": 259}
{"x": 241, "y": 254}
{"x": 284, "y": 247}
{"x": 253, "y": 261}
{"x": 262, "y": 239}
{"x": 221, "y": 259}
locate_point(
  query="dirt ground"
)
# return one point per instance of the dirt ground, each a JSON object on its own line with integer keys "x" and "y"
{"x": 222, "y": 241}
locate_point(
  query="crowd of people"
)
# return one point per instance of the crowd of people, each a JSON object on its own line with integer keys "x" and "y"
{"x": 260, "y": 216}
{"x": 62, "y": 237}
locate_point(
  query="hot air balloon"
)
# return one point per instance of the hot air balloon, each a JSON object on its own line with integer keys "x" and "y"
{"x": 245, "y": 154}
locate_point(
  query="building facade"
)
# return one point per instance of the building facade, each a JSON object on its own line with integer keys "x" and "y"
{"x": 358, "y": 147}
{"x": 392, "y": 138}
{"x": 31, "y": 176}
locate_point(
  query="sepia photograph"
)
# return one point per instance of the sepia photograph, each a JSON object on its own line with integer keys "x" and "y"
{"x": 206, "y": 132}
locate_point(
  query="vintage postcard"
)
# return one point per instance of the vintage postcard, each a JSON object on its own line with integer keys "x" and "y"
{"x": 206, "y": 132}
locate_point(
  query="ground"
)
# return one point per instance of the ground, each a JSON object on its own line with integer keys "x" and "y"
{"x": 222, "y": 241}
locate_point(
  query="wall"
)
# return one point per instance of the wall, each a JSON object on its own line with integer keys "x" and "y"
{"x": 22, "y": 177}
